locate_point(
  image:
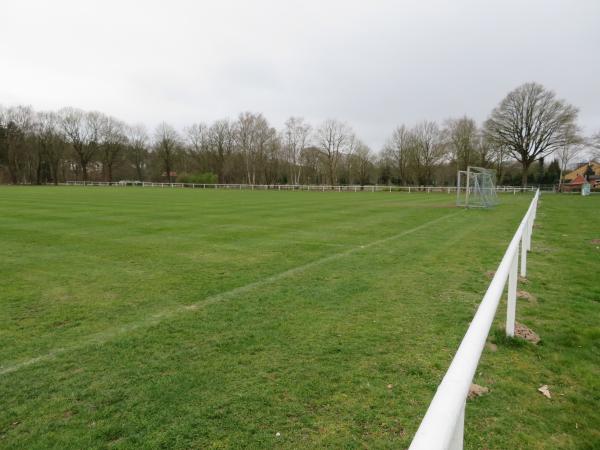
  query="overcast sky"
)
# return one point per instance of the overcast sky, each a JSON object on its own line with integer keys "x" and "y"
{"x": 374, "y": 64}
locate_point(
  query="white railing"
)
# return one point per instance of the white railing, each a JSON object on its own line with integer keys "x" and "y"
{"x": 296, "y": 187}
{"x": 443, "y": 424}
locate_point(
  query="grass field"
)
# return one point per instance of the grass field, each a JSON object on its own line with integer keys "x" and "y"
{"x": 170, "y": 318}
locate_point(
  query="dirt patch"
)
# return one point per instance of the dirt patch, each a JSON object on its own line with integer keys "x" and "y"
{"x": 523, "y": 280}
{"x": 477, "y": 391}
{"x": 595, "y": 242}
{"x": 527, "y": 296}
{"x": 526, "y": 333}
{"x": 115, "y": 441}
{"x": 491, "y": 347}
{"x": 542, "y": 249}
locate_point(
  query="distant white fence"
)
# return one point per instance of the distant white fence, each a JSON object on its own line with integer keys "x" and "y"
{"x": 295, "y": 187}
{"x": 443, "y": 425}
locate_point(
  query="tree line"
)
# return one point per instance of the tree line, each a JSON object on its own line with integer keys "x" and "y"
{"x": 40, "y": 147}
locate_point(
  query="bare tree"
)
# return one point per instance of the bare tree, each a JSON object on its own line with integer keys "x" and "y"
{"x": 248, "y": 150}
{"x": 363, "y": 163}
{"x": 497, "y": 157}
{"x": 530, "y": 123}
{"x": 198, "y": 139}
{"x": 80, "y": 135}
{"x": 462, "y": 139}
{"x": 166, "y": 143}
{"x": 221, "y": 140}
{"x": 572, "y": 145}
{"x": 3, "y": 139}
{"x": 295, "y": 137}
{"x": 252, "y": 134}
{"x": 94, "y": 123}
{"x": 398, "y": 149}
{"x": 112, "y": 142}
{"x": 51, "y": 142}
{"x": 484, "y": 150}
{"x": 312, "y": 159}
{"x": 18, "y": 124}
{"x": 272, "y": 156}
{"x": 429, "y": 150}
{"x": 245, "y": 142}
{"x": 332, "y": 138}
{"x": 347, "y": 158}
{"x": 137, "y": 138}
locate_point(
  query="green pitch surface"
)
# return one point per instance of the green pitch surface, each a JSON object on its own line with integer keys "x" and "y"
{"x": 145, "y": 318}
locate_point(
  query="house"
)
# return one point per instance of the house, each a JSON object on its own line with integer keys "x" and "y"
{"x": 586, "y": 173}
{"x": 581, "y": 170}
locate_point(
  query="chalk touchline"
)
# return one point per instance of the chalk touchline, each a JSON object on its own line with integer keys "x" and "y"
{"x": 157, "y": 317}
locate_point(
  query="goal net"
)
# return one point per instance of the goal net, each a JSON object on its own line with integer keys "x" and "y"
{"x": 476, "y": 188}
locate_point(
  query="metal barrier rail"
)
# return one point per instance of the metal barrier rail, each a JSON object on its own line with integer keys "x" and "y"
{"x": 443, "y": 424}
{"x": 295, "y": 187}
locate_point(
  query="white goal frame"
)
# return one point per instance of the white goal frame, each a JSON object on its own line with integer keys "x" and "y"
{"x": 479, "y": 188}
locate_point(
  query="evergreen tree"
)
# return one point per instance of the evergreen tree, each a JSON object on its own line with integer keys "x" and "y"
{"x": 553, "y": 173}
{"x": 539, "y": 177}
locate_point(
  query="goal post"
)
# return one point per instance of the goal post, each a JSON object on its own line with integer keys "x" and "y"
{"x": 476, "y": 188}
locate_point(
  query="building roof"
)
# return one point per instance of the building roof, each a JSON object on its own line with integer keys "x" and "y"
{"x": 577, "y": 180}
{"x": 581, "y": 171}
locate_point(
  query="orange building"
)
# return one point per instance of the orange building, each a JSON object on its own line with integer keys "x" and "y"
{"x": 586, "y": 173}
{"x": 581, "y": 170}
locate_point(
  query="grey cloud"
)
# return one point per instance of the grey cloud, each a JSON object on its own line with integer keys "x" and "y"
{"x": 373, "y": 64}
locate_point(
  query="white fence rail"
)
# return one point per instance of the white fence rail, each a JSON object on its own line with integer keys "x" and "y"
{"x": 443, "y": 424}
{"x": 295, "y": 187}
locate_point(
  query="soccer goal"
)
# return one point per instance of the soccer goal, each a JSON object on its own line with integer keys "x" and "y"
{"x": 476, "y": 188}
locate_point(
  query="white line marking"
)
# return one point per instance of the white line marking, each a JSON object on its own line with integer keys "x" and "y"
{"x": 107, "y": 335}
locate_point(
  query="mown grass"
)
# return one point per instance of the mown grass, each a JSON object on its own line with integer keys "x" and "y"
{"x": 145, "y": 318}
{"x": 564, "y": 277}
